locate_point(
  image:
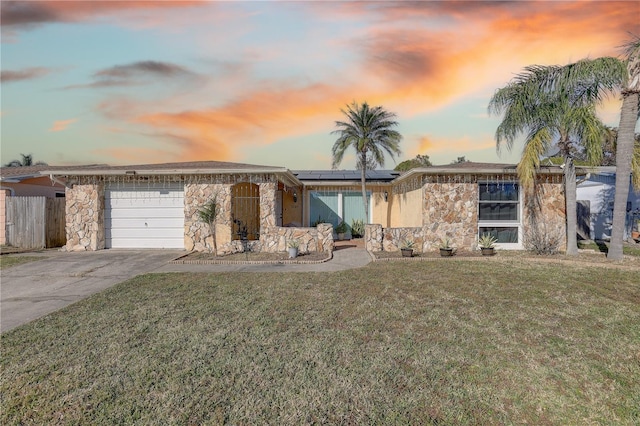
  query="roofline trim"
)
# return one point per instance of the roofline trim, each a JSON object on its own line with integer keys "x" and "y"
{"x": 283, "y": 174}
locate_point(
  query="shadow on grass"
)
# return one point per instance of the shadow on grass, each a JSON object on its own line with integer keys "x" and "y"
{"x": 602, "y": 246}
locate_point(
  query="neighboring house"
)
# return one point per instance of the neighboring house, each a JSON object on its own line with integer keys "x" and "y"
{"x": 24, "y": 182}
{"x": 28, "y": 181}
{"x": 595, "y": 195}
{"x": 156, "y": 205}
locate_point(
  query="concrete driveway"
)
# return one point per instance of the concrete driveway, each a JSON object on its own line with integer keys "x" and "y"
{"x": 34, "y": 289}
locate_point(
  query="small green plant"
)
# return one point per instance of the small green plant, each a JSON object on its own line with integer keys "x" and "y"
{"x": 293, "y": 244}
{"x": 407, "y": 245}
{"x": 357, "y": 228}
{"x": 318, "y": 221}
{"x": 487, "y": 241}
{"x": 341, "y": 228}
{"x": 208, "y": 214}
{"x": 445, "y": 243}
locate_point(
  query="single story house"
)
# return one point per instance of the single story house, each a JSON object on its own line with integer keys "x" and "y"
{"x": 595, "y": 195}
{"x": 262, "y": 207}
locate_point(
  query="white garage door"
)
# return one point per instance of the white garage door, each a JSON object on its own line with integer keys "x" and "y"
{"x": 144, "y": 216}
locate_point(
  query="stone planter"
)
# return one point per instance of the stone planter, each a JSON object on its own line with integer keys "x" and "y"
{"x": 488, "y": 251}
{"x": 407, "y": 252}
{"x": 446, "y": 252}
{"x": 341, "y": 236}
{"x": 293, "y": 252}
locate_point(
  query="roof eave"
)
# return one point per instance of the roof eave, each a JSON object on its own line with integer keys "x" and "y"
{"x": 344, "y": 183}
{"x": 283, "y": 174}
{"x": 480, "y": 171}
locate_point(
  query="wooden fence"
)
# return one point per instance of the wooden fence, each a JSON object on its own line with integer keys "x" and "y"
{"x": 35, "y": 222}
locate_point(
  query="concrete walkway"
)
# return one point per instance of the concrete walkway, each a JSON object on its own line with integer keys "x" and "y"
{"x": 32, "y": 290}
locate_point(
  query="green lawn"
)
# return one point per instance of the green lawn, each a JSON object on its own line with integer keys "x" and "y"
{"x": 603, "y": 247}
{"x": 9, "y": 261}
{"x": 440, "y": 342}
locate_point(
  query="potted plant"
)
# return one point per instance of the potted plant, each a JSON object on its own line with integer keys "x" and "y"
{"x": 445, "y": 248}
{"x": 357, "y": 228}
{"x": 487, "y": 244}
{"x": 293, "y": 248}
{"x": 407, "y": 248}
{"x": 341, "y": 229}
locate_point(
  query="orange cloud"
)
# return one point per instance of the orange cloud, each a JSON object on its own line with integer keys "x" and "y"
{"x": 408, "y": 67}
{"x": 438, "y": 145}
{"x": 258, "y": 118}
{"x": 61, "y": 125}
{"x": 29, "y": 13}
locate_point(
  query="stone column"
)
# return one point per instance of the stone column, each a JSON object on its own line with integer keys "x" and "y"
{"x": 325, "y": 237}
{"x": 267, "y": 206}
{"x": 373, "y": 237}
{"x": 84, "y": 210}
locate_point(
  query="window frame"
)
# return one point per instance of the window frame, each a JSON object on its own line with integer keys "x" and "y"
{"x": 517, "y": 223}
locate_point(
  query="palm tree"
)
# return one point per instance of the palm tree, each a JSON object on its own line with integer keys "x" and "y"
{"x": 208, "y": 214}
{"x": 556, "y": 104}
{"x": 368, "y": 130}
{"x": 27, "y": 160}
{"x": 625, "y": 146}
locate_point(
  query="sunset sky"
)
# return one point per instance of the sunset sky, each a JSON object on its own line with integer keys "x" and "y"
{"x": 263, "y": 82}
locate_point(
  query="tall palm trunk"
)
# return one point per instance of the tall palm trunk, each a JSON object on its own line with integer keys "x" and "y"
{"x": 624, "y": 152}
{"x": 363, "y": 181}
{"x": 570, "y": 203}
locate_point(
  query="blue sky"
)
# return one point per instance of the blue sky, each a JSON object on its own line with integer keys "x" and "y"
{"x": 263, "y": 82}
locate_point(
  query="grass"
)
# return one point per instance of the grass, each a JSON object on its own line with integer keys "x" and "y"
{"x": 445, "y": 342}
{"x": 9, "y": 261}
{"x": 603, "y": 247}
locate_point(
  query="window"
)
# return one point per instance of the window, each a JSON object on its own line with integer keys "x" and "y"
{"x": 337, "y": 206}
{"x": 499, "y": 212}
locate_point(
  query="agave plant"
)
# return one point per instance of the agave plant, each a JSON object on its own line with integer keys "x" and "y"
{"x": 487, "y": 241}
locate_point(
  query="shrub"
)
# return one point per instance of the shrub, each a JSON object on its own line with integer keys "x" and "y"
{"x": 541, "y": 241}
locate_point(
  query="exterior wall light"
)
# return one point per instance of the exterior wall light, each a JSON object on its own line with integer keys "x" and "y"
{"x": 295, "y": 197}
{"x": 386, "y": 196}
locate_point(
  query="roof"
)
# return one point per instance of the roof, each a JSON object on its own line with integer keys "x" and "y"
{"x": 474, "y": 165}
{"x": 345, "y": 175}
{"x": 192, "y": 167}
{"x": 17, "y": 174}
{"x": 473, "y": 168}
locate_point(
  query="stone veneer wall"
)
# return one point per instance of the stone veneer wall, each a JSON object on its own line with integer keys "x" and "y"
{"x": 85, "y": 217}
{"x": 545, "y": 210}
{"x": 377, "y": 238}
{"x": 197, "y": 235}
{"x": 394, "y": 238}
{"x": 316, "y": 239}
{"x": 450, "y": 211}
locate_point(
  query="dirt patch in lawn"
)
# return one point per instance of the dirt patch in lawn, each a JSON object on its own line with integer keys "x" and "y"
{"x": 252, "y": 258}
